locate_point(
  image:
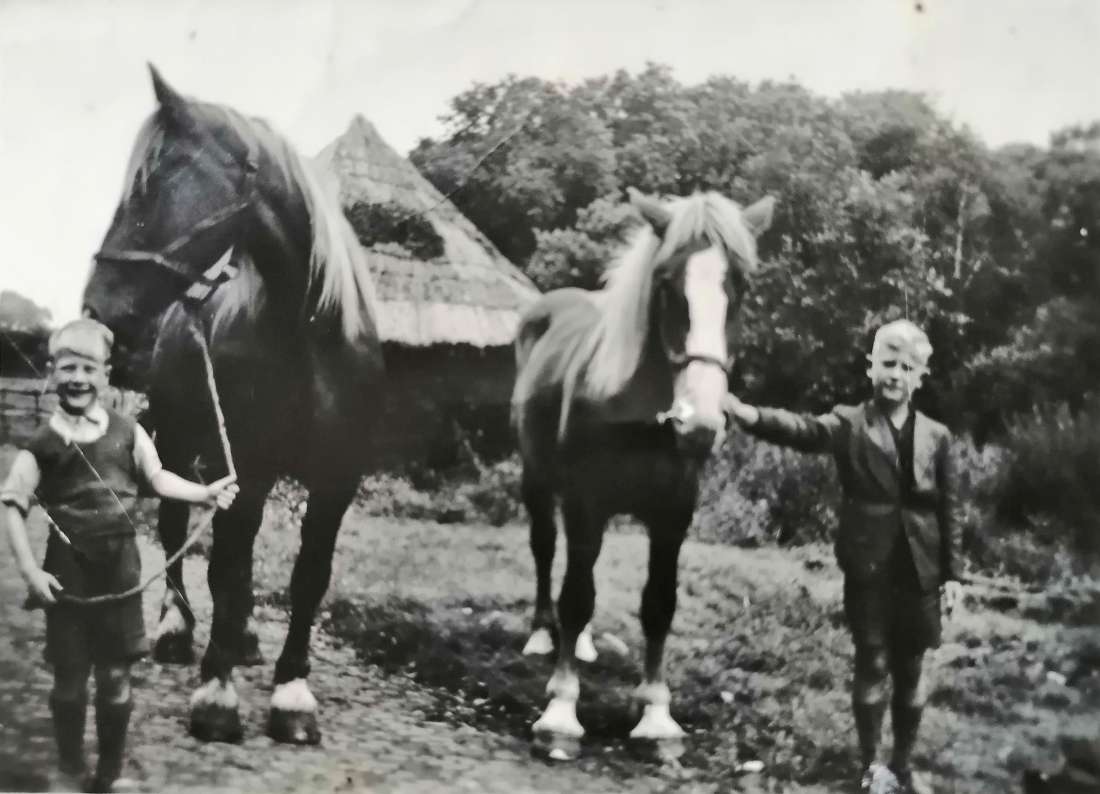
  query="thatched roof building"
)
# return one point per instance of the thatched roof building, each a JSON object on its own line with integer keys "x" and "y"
{"x": 448, "y": 304}
{"x": 439, "y": 280}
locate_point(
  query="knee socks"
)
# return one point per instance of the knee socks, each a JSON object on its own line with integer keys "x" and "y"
{"x": 68, "y": 730}
{"x": 111, "y": 721}
{"x": 868, "y": 717}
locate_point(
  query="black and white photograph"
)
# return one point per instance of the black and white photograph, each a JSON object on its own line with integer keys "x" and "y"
{"x": 540, "y": 396}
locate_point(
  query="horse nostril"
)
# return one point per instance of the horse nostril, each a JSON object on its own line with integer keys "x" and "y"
{"x": 697, "y": 439}
{"x": 89, "y": 312}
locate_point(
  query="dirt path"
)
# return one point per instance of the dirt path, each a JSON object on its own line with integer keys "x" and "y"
{"x": 375, "y": 737}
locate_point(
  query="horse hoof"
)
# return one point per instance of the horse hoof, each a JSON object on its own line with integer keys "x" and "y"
{"x": 293, "y": 727}
{"x": 540, "y": 643}
{"x": 211, "y": 722}
{"x": 173, "y": 649}
{"x": 555, "y": 746}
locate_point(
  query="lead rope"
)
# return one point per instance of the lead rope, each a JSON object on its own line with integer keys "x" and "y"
{"x": 191, "y": 539}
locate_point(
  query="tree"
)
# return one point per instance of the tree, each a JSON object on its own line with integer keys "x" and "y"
{"x": 884, "y": 209}
{"x": 18, "y": 313}
{"x": 24, "y": 332}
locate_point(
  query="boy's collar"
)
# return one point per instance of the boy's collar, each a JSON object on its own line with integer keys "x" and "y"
{"x": 94, "y": 421}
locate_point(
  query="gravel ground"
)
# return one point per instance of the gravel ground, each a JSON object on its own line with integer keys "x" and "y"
{"x": 375, "y": 736}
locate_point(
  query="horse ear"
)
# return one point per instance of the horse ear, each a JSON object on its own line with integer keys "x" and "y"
{"x": 654, "y": 212}
{"x": 166, "y": 95}
{"x": 758, "y": 217}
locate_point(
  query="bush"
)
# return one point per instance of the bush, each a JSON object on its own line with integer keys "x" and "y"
{"x": 754, "y": 493}
{"x": 1053, "y": 473}
{"x": 485, "y": 492}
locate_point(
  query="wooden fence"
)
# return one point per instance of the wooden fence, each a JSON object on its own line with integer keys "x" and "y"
{"x": 25, "y": 403}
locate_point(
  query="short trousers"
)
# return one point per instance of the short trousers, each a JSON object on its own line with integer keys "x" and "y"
{"x": 95, "y": 634}
{"x": 882, "y": 614}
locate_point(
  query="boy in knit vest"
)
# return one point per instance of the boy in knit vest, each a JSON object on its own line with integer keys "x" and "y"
{"x": 896, "y": 544}
{"x": 84, "y": 468}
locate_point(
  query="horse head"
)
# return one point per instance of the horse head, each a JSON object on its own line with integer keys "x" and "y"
{"x": 187, "y": 201}
{"x": 707, "y": 246}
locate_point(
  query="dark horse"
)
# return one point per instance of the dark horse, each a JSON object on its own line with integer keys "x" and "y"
{"x": 297, "y": 360}
{"x": 617, "y": 404}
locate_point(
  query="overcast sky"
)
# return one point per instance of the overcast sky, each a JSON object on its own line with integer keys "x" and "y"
{"x": 74, "y": 88}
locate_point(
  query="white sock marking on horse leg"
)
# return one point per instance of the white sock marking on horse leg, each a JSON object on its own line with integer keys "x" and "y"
{"x": 214, "y": 693}
{"x": 586, "y": 648}
{"x": 540, "y": 643}
{"x": 564, "y": 685}
{"x": 656, "y": 721}
{"x": 293, "y": 696}
{"x": 560, "y": 718}
{"x": 171, "y": 622}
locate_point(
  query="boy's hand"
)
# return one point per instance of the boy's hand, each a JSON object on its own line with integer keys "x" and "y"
{"x": 42, "y": 586}
{"x": 744, "y": 414}
{"x": 951, "y": 593}
{"x": 222, "y": 492}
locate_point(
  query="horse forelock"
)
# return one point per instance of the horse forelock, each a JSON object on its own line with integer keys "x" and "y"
{"x": 339, "y": 278}
{"x": 143, "y": 156}
{"x": 606, "y": 361}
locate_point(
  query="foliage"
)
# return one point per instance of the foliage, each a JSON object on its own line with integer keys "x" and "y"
{"x": 1054, "y": 358}
{"x": 391, "y": 223}
{"x": 486, "y": 493}
{"x": 24, "y": 333}
{"x": 885, "y": 209}
{"x": 1054, "y": 470}
{"x": 18, "y": 313}
{"x": 754, "y": 493}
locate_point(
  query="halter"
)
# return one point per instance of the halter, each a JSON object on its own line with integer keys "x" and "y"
{"x": 221, "y": 270}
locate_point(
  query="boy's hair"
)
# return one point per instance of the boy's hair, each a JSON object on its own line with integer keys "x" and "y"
{"x": 84, "y": 337}
{"x": 902, "y": 338}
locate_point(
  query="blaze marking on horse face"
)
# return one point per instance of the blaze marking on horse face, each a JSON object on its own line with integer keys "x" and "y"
{"x": 702, "y": 385}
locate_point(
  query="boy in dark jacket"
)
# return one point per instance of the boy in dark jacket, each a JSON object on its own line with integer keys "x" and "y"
{"x": 84, "y": 467}
{"x": 896, "y": 544}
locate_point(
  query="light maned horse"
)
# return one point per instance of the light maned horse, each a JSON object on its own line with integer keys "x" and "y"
{"x": 297, "y": 361}
{"x": 617, "y": 404}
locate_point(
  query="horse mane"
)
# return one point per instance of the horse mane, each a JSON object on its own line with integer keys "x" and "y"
{"x": 604, "y": 360}
{"x": 339, "y": 277}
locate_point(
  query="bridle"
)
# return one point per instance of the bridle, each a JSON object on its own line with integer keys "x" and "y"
{"x": 198, "y": 287}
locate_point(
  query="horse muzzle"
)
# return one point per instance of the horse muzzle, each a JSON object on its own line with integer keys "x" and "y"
{"x": 695, "y": 436}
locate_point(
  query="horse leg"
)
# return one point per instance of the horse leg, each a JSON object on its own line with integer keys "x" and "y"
{"x": 558, "y": 725}
{"x": 214, "y": 705}
{"x": 658, "y": 607}
{"x": 293, "y": 717}
{"x": 539, "y": 501}
{"x": 175, "y": 629}
{"x": 172, "y": 640}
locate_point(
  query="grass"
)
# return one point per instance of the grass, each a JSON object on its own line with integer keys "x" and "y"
{"x": 758, "y": 661}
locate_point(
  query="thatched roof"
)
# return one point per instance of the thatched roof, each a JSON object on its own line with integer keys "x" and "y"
{"x": 467, "y": 292}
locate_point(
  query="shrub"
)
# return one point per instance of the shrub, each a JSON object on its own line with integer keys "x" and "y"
{"x": 1053, "y": 472}
{"x": 754, "y": 493}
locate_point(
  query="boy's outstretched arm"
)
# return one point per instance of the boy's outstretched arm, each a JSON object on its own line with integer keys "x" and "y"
{"x": 804, "y": 432}
{"x": 171, "y": 486}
